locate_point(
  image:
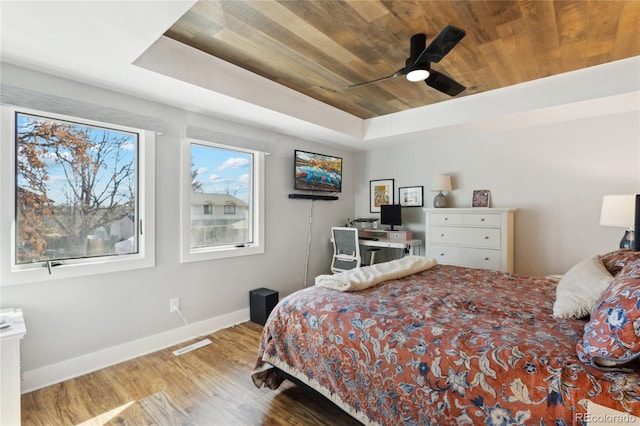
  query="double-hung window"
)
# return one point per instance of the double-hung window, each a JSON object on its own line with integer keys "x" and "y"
{"x": 222, "y": 196}
{"x": 79, "y": 200}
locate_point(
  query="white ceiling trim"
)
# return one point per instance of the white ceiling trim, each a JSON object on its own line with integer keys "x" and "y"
{"x": 237, "y": 93}
{"x": 579, "y": 94}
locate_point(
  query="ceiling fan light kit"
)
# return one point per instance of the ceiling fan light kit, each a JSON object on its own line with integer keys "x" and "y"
{"x": 417, "y": 75}
{"x": 418, "y": 65}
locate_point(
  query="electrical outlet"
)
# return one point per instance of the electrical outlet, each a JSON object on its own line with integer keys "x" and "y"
{"x": 174, "y": 304}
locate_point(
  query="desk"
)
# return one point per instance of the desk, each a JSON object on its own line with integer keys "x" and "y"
{"x": 384, "y": 243}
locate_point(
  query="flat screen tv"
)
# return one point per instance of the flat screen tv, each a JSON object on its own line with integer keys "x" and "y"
{"x": 391, "y": 214}
{"x": 317, "y": 172}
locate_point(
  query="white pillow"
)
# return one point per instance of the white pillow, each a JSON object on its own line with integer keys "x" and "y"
{"x": 580, "y": 288}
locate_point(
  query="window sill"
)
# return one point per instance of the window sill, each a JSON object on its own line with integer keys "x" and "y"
{"x": 38, "y": 273}
{"x": 199, "y": 255}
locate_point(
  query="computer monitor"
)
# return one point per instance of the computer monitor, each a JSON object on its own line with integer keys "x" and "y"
{"x": 391, "y": 214}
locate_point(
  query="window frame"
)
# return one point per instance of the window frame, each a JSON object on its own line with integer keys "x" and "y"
{"x": 10, "y": 272}
{"x": 189, "y": 254}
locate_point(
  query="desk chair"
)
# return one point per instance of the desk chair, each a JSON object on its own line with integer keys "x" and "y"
{"x": 372, "y": 255}
{"x": 346, "y": 250}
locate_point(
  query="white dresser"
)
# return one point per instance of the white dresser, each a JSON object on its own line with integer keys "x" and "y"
{"x": 473, "y": 237}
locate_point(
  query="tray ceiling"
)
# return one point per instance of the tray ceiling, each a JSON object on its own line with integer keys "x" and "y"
{"x": 319, "y": 47}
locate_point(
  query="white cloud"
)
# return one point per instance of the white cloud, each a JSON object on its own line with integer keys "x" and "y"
{"x": 234, "y": 163}
{"x": 215, "y": 178}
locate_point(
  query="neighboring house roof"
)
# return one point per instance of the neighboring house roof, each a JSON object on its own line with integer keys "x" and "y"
{"x": 200, "y": 198}
{"x": 36, "y": 196}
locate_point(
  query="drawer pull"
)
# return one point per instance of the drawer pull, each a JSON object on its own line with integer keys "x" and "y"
{"x": 446, "y": 218}
{"x": 486, "y": 258}
{"x": 441, "y": 254}
{"x": 482, "y": 219}
{"x": 486, "y": 237}
{"x": 442, "y": 235}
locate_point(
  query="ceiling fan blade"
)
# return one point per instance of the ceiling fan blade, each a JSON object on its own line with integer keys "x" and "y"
{"x": 398, "y": 73}
{"x": 448, "y": 37}
{"x": 444, "y": 83}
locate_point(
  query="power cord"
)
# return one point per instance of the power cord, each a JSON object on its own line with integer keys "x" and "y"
{"x": 306, "y": 262}
{"x": 193, "y": 346}
{"x": 196, "y": 336}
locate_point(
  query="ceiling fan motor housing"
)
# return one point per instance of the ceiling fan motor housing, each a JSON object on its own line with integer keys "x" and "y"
{"x": 415, "y": 71}
{"x": 418, "y": 43}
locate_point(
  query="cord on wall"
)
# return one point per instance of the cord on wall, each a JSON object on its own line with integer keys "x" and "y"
{"x": 192, "y": 346}
{"x": 195, "y": 336}
{"x": 306, "y": 262}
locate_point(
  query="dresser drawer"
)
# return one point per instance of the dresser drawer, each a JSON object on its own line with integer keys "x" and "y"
{"x": 467, "y": 256}
{"x": 477, "y": 237}
{"x": 466, "y": 219}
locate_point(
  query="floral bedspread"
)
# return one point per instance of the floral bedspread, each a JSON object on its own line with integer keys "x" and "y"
{"x": 447, "y": 346}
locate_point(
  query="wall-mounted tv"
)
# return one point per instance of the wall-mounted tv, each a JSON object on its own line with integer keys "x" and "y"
{"x": 317, "y": 172}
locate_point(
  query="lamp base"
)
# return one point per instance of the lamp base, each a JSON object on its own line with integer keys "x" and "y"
{"x": 627, "y": 241}
{"x": 440, "y": 200}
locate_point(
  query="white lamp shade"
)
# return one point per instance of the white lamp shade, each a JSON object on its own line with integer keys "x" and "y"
{"x": 441, "y": 183}
{"x": 618, "y": 210}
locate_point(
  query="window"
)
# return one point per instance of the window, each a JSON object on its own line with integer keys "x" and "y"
{"x": 79, "y": 201}
{"x": 225, "y": 183}
{"x": 76, "y": 190}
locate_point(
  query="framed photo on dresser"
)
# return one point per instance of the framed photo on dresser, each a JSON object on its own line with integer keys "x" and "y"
{"x": 481, "y": 198}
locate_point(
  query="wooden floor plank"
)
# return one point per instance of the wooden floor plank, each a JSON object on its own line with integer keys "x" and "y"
{"x": 208, "y": 386}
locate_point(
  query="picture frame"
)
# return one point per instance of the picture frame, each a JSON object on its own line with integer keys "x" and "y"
{"x": 381, "y": 192}
{"x": 411, "y": 196}
{"x": 481, "y": 198}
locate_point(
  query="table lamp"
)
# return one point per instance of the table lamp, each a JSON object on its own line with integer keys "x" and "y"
{"x": 618, "y": 211}
{"x": 440, "y": 183}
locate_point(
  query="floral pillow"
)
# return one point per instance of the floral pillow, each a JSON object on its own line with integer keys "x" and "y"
{"x": 616, "y": 260}
{"x": 612, "y": 336}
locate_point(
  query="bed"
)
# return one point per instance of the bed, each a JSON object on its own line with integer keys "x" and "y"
{"x": 453, "y": 345}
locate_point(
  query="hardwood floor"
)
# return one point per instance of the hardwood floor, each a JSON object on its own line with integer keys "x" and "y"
{"x": 208, "y": 386}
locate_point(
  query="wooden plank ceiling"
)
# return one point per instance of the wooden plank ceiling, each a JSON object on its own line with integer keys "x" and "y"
{"x": 319, "y": 47}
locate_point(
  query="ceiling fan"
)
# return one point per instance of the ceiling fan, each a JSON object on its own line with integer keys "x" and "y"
{"x": 418, "y": 65}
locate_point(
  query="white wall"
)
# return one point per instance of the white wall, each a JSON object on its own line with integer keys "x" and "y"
{"x": 554, "y": 174}
{"x": 75, "y": 322}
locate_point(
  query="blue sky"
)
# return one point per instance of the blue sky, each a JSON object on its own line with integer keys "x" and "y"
{"x": 58, "y": 184}
{"x": 221, "y": 170}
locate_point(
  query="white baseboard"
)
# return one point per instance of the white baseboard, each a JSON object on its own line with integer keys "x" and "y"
{"x": 65, "y": 370}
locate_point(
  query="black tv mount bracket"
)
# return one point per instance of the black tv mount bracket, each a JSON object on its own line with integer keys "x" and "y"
{"x": 313, "y": 197}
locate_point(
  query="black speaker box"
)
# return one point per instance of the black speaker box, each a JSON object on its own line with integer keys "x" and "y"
{"x": 261, "y": 303}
